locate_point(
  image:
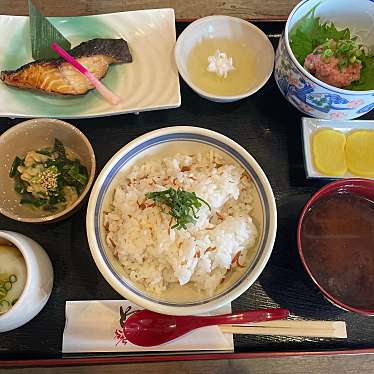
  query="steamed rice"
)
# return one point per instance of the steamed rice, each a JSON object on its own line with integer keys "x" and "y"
{"x": 153, "y": 254}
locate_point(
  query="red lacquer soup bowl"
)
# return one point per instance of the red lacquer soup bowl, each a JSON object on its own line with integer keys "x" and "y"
{"x": 335, "y": 238}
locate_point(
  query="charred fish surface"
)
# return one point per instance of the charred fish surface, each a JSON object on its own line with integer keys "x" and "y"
{"x": 58, "y": 76}
{"x": 115, "y": 48}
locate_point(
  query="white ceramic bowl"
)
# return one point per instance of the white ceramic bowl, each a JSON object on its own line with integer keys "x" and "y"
{"x": 39, "y": 281}
{"x": 149, "y": 144}
{"x": 230, "y": 28}
{"x": 307, "y": 93}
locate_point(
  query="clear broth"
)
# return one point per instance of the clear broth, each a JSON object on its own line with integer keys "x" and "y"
{"x": 237, "y": 82}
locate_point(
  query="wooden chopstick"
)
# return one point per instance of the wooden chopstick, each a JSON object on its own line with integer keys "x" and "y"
{"x": 322, "y": 329}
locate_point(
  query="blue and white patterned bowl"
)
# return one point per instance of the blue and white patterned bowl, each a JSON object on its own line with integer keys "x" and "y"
{"x": 150, "y": 144}
{"x": 303, "y": 90}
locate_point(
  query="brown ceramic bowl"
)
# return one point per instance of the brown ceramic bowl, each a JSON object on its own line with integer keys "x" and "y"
{"x": 35, "y": 134}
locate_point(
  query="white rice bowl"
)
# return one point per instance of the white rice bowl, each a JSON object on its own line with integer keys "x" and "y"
{"x": 183, "y": 264}
{"x": 193, "y": 270}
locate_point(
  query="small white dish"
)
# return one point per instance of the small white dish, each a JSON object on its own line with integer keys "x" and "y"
{"x": 150, "y": 82}
{"x": 39, "y": 281}
{"x": 311, "y": 125}
{"x": 231, "y": 28}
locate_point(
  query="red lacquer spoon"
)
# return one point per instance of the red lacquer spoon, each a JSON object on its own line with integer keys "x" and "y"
{"x": 146, "y": 328}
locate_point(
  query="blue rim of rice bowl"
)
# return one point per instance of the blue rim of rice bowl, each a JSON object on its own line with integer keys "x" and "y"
{"x": 160, "y": 140}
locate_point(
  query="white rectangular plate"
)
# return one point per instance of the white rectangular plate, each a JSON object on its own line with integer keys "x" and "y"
{"x": 310, "y": 125}
{"x": 150, "y": 82}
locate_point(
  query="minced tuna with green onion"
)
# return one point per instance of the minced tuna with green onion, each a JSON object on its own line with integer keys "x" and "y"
{"x": 336, "y": 63}
{"x": 333, "y": 55}
{"x": 50, "y": 179}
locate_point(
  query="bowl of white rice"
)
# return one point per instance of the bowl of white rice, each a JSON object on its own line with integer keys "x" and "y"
{"x": 181, "y": 221}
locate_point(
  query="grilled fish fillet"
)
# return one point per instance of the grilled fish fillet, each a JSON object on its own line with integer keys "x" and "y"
{"x": 58, "y": 76}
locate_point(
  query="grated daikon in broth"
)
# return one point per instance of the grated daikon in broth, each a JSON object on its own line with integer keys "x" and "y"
{"x": 237, "y": 82}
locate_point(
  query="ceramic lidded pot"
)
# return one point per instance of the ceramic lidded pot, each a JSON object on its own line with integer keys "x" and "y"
{"x": 38, "y": 285}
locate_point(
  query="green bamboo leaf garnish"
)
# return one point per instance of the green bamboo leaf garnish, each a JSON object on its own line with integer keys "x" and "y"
{"x": 43, "y": 34}
{"x": 183, "y": 205}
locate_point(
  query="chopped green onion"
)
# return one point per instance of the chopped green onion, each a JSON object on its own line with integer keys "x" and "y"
{"x": 3, "y": 293}
{"x": 343, "y": 63}
{"x": 53, "y": 169}
{"x": 7, "y": 286}
{"x": 13, "y": 278}
{"x": 36, "y": 179}
{"x": 4, "y": 306}
{"x": 328, "y": 53}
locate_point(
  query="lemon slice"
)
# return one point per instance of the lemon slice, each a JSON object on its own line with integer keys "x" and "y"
{"x": 360, "y": 153}
{"x": 328, "y": 152}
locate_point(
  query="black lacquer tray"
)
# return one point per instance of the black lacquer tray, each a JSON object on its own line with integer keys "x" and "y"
{"x": 270, "y": 129}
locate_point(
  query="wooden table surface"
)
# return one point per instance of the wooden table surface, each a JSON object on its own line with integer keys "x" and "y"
{"x": 249, "y": 9}
{"x": 184, "y": 9}
{"x": 360, "y": 364}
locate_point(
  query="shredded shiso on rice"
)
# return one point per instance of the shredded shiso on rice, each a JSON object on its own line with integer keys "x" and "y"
{"x": 153, "y": 254}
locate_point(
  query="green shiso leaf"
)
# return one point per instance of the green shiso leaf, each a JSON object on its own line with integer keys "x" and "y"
{"x": 183, "y": 205}
{"x": 308, "y": 33}
{"x": 366, "y": 81}
{"x": 43, "y": 34}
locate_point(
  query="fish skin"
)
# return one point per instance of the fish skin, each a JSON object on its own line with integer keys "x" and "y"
{"x": 59, "y": 77}
{"x": 115, "y": 48}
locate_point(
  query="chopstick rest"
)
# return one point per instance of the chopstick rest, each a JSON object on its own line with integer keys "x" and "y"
{"x": 321, "y": 329}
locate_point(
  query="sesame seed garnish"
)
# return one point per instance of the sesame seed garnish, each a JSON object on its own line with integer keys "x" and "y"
{"x": 48, "y": 180}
